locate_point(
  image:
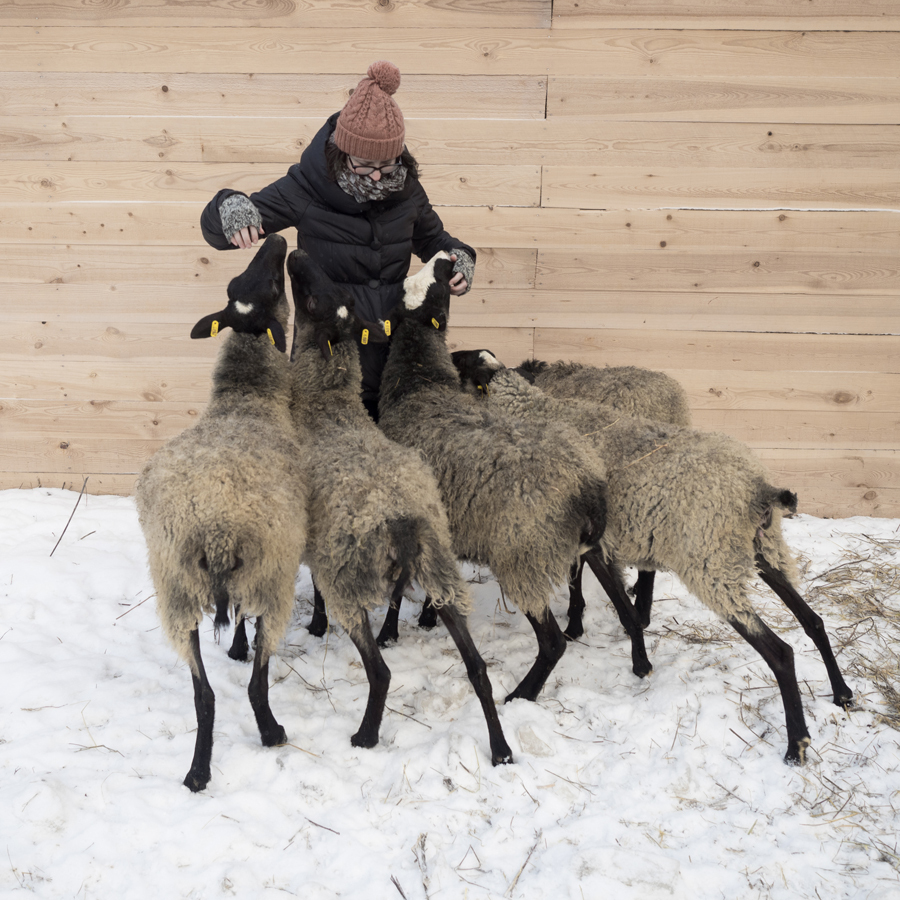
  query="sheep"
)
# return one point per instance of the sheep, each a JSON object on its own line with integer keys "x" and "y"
{"x": 700, "y": 505}
{"x": 376, "y": 520}
{"x": 223, "y": 505}
{"x": 629, "y": 389}
{"x": 525, "y": 501}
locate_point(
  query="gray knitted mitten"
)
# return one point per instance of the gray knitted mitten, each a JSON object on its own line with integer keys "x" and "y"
{"x": 465, "y": 264}
{"x": 236, "y": 212}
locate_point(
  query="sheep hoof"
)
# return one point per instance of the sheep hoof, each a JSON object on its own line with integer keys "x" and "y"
{"x": 796, "y": 752}
{"x": 844, "y": 699}
{"x": 274, "y": 738}
{"x": 502, "y": 759}
{"x": 520, "y": 694}
{"x": 428, "y": 617}
{"x": 643, "y": 668}
{"x": 239, "y": 654}
{"x": 197, "y": 780}
{"x": 574, "y": 631}
{"x": 387, "y": 636}
{"x": 317, "y": 626}
{"x": 363, "y": 739}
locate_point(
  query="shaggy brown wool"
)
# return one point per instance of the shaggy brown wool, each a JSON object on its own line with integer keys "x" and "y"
{"x": 629, "y": 389}
{"x": 361, "y": 484}
{"x": 681, "y": 500}
{"x": 230, "y": 488}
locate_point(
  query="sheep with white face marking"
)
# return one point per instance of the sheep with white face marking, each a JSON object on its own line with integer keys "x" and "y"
{"x": 633, "y": 391}
{"x": 524, "y": 500}
{"x": 700, "y": 505}
{"x": 223, "y": 505}
{"x": 376, "y": 520}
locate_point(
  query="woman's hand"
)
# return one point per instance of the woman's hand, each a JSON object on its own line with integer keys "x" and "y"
{"x": 458, "y": 284}
{"x": 247, "y": 237}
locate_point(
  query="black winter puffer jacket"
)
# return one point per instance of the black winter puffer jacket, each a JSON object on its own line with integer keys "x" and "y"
{"x": 366, "y": 247}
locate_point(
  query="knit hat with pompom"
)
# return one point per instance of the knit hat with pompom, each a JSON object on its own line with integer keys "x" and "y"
{"x": 370, "y": 125}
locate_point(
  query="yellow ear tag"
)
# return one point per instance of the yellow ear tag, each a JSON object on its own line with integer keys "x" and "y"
{"x": 365, "y": 337}
{"x": 329, "y": 349}
{"x": 215, "y": 329}
{"x": 269, "y": 333}
{"x": 387, "y": 327}
{"x": 436, "y": 324}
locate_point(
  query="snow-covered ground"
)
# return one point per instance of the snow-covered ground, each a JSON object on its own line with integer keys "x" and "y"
{"x": 671, "y": 787}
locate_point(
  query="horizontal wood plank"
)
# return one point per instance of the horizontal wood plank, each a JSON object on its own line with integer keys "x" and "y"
{"x": 69, "y": 424}
{"x": 74, "y": 181}
{"x": 582, "y": 148}
{"x": 740, "y": 271}
{"x": 322, "y": 14}
{"x": 787, "y": 101}
{"x": 54, "y": 341}
{"x": 842, "y": 393}
{"x": 792, "y": 14}
{"x": 807, "y": 430}
{"x": 188, "y": 379}
{"x": 673, "y": 311}
{"x": 714, "y": 351}
{"x": 829, "y": 483}
{"x": 452, "y": 51}
{"x": 98, "y": 483}
{"x": 487, "y": 306}
{"x": 175, "y": 222}
{"x": 180, "y": 379}
{"x": 275, "y": 95}
{"x": 578, "y": 187}
{"x": 836, "y": 483}
{"x": 115, "y": 266}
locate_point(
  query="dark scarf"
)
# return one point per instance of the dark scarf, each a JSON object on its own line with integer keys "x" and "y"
{"x": 362, "y": 189}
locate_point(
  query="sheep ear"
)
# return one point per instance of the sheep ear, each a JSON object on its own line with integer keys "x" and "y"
{"x": 324, "y": 345}
{"x": 276, "y": 334}
{"x": 393, "y": 319}
{"x": 371, "y": 332}
{"x": 443, "y": 270}
{"x": 210, "y": 326}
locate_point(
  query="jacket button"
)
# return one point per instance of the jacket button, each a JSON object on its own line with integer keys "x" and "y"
{"x": 375, "y": 245}
{"x": 374, "y": 283}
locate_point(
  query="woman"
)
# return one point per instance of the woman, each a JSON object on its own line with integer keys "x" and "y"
{"x": 358, "y": 207}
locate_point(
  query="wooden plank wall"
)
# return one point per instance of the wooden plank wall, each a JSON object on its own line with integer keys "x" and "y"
{"x": 697, "y": 186}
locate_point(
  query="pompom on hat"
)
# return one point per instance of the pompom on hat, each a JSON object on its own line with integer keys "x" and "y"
{"x": 370, "y": 125}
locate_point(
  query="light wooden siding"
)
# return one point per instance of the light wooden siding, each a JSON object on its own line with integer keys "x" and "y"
{"x": 684, "y": 185}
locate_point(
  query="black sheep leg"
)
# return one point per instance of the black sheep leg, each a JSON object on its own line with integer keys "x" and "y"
{"x": 643, "y": 596}
{"x": 477, "y": 672}
{"x": 610, "y": 579}
{"x": 240, "y": 646}
{"x": 779, "y": 657}
{"x": 205, "y": 705}
{"x": 319, "y": 623}
{"x": 270, "y": 731}
{"x": 812, "y": 625}
{"x": 551, "y": 646}
{"x": 428, "y": 616}
{"x": 379, "y": 676}
{"x": 390, "y": 630}
{"x": 575, "y": 628}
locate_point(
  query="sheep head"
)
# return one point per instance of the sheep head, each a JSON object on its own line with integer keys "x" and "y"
{"x": 256, "y": 300}
{"x": 476, "y": 369}
{"x": 426, "y": 295}
{"x": 328, "y": 307}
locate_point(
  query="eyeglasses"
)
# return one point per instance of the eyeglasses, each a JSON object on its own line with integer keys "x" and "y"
{"x": 362, "y": 169}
